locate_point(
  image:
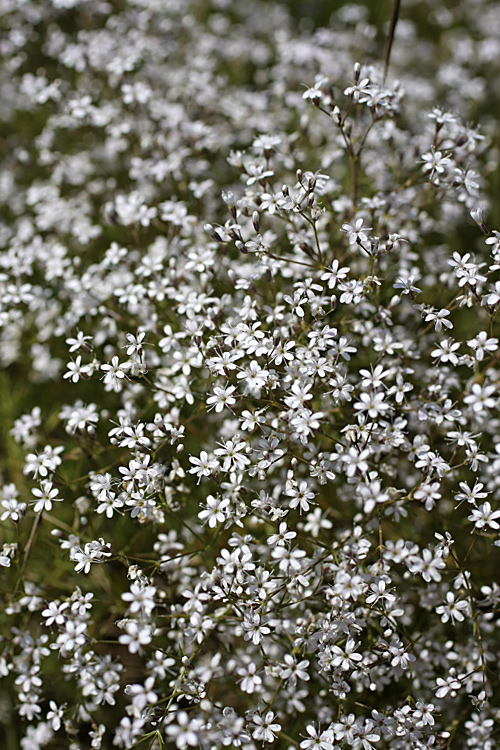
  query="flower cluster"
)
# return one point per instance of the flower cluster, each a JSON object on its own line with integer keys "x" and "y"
{"x": 251, "y": 493}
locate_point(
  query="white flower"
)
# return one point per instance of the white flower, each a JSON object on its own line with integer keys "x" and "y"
{"x": 233, "y": 454}
{"x": 446, "y": 351}
{"x": 483, "y": 345}
{"x": 480, "y": 397}
{"x": 76, "y": 370}
{"x": 55, "y": 715}
{"x": 323, "y": 741}
{"x": 301, "y": 496}
{"x": 255, "y": 628}
{"x": 372, "y": 403}
{"x": 407, "y": 286}
{"x": 215, "y": 511}
{"x": 184, "y": 731}
{"x": 427, "y": 565}
{"x": 293, "y": 671}
{"x": 221, "y": 398}
{"x": 439, "y": 318}
{"x": 297, "y": 302}
{"x": 46, "y": 495}
{"x": 471, "y": 495}
{"x": 345, "y": 657}
{"x": 54, "y": 613}
{"x": 203, "y": 466}
{"x": 448, "y": 686}
{"x": 266, "y": 729}
{"x": 93, "y": 552}
{"x": 485, "y": 516}
{"x": 453, "y": 609}
{"x": 114, "y": 373}
{"x": 300, "y": 394}
{"x": 72, "y": 637}
{"x": 250, "y": 679}
{"x": 435, "y": 162}
{"x": 282, "y": 537}
{"x": 334, "y": 274}
{"x": 142, "y": 695}
{"x": 356, "y": 232}
{"x": 136, "y": 636}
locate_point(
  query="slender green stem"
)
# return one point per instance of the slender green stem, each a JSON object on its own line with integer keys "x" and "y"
{"x": 27, "y": 550}
{"x": 390, "y": 36}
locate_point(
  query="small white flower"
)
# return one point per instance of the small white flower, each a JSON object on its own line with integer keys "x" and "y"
{"x": 485, "y": 516}
{"x": 266, "y": 727}
{"x": 221, "y": 398}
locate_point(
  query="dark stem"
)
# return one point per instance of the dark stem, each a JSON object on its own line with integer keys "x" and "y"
{"x": 390, "y": 36}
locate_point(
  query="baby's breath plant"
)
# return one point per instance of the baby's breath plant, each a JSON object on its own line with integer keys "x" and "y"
{"x": 249, "y": 336}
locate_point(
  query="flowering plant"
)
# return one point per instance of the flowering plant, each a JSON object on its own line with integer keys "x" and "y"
{"x": 250, "y": 494}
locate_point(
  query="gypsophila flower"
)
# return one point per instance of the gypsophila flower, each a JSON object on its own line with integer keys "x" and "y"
{"x": 214, "y": 512}
{"x": 42, "y": 464}
{"x": 372, "y": 403}
{"x": 248, "y": 487}
{"x": 427, "y": 565}
{"x": 76, "y": 370}
{"x": 114, "y": 373}
{"x": 45, "y": 496}
{"x": 266, "y": 727}
{"x": 439, "y": 318}
{"x": 435, "y": 162}
{"x": 453, "y": 610}
{"x": 203, "y": 466}
{"x": 282, "y": 537}
{"x": 250, "y": 681}
{"x": 334, "y": 273}
{"x": 482, "y": 345}
{"x": 184, "y": 731}
{"x": 407, "y": 286}
{"x": 54, "y": 613}
{"x": 93, "y": 552}
{"x": 480, "y": 397}
{"x": 5, "y": 561}
{"x": 471, "y": 495}
{"x": 232, "y": 454}
{"x": 345, "y": 657}
{"x": 221, "y": 398}
{"x": 255, "y": 628}
{"x": 293, "y": 671}
{"x": 485, "y": 516}
{"x": 322, "y": 741}
{"x": 9, "y": 504}
{"x": 356, "y": 233}
{"x": 55, "y": 715}
{"x": 494, "y": 242}
{"x": 301, "y": 497}
{"x": 136, "y": 636}
{"x": 447, "y": 687}
{"x": 80, "y": 342}
{"x": 446, "y": 351}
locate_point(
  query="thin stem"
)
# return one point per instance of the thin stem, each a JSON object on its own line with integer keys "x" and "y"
{"x": 27, "y": 550}
{"x": 354, "y": 180}
{"x": 390, "y": 36}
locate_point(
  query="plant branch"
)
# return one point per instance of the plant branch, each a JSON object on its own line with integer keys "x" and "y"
{"x": 390, "y": 36}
